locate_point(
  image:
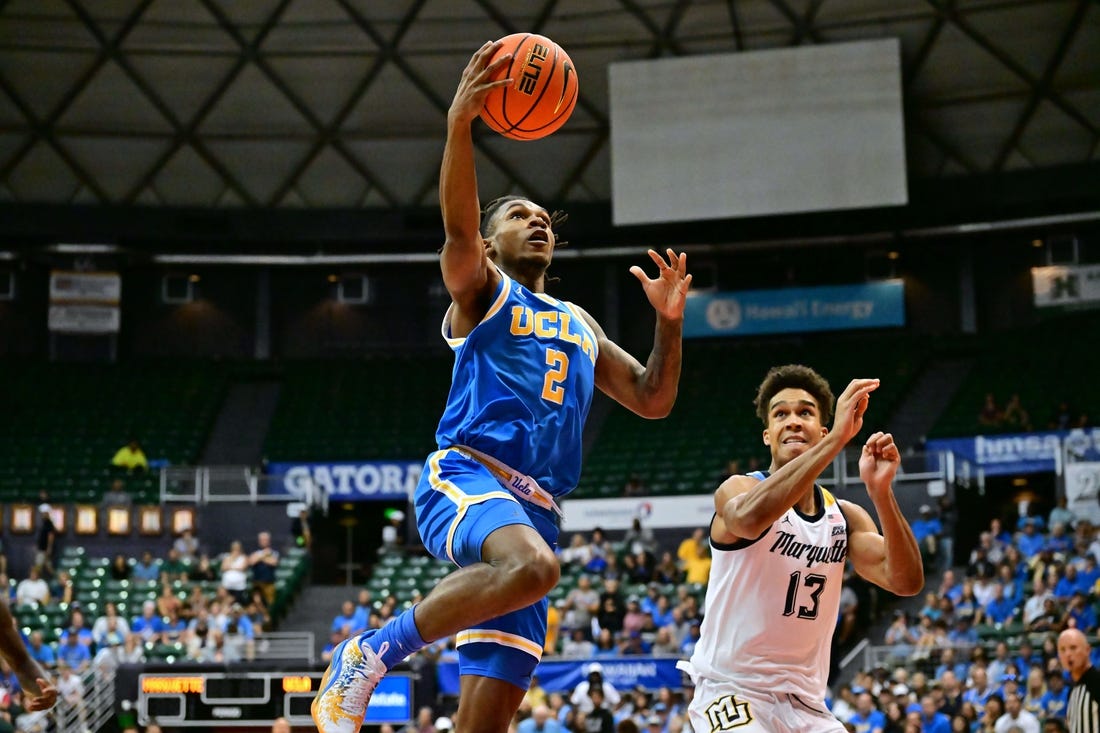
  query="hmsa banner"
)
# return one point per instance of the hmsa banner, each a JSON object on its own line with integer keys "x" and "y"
{"x": 1065, "y": 285}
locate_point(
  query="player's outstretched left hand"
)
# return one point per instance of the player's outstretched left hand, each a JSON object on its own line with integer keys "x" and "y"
{"x": 667, "y": 293}
{"x": 879, "y": 461}
{"x": 44, "y": 700}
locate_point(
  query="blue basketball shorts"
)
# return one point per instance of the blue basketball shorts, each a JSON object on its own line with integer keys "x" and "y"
{"x": 459, "y": 503}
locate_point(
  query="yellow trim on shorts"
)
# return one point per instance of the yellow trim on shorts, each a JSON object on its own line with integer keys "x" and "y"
{"x": 493, "y": 636}
{"x": 460, "y": 498}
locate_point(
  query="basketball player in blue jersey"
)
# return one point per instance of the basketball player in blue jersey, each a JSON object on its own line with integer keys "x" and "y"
{"x": 526, "y": 366}
{"x": 780, "y": 543}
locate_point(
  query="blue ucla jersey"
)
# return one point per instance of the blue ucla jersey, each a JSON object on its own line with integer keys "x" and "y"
{"x": 522, "y": 384}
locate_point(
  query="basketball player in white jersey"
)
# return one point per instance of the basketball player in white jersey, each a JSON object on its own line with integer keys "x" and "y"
{"x": 779, "y": 545}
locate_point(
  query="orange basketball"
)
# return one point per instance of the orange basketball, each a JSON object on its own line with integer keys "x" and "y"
{"x": 543, "y": 93}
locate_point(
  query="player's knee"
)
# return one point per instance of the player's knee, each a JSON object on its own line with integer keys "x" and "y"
{"x": 535, "y": 573}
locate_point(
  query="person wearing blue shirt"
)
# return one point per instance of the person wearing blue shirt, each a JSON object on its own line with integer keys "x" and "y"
{"x": 511, "y": 436}
{"x": 1067, "y": 584}
{"x": 1088, "y": 575}
{"x": 999, "y": 610}
{"x": 74, "y": 654}
{"x": 347, "y": 619}
{"x": 40, "y": 652}
{"x": 1054, "y": 700}
{"x": 867, "y": 719}
{"x": 926, "y": 531}
{"x": 147, "y": 568}
{"x": 149, "y": 626}
{"x": 1029, "y": 541}
{"x": 931, "y": 720}
{"x": 1080, "y": 610}
{"x": 963, "y": 634}
{"x": 541, "y": 721}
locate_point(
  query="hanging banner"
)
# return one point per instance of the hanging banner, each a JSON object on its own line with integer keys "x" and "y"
{"x": 562, "y": 675}
{"x": 793, "y": 310}
{"x": 1065, "y": 285}
{"x": 352, "y": 481}
{"x": 656, "y": 512}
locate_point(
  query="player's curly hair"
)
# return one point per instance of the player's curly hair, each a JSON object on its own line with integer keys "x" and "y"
{"x": 557, "y": 217}
{"x": 795, "y": 376}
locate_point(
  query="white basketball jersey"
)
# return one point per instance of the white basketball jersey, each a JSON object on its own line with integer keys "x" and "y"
{"x": 772, "y": 604}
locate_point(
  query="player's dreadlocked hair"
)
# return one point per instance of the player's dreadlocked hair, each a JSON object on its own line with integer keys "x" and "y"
{"x": 557, "y": 218}
{"x": 799, "y": 377}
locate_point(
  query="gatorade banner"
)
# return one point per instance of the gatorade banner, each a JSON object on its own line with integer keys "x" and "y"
{"x": 562, "y": 675}
{"x": 358, "y": 481}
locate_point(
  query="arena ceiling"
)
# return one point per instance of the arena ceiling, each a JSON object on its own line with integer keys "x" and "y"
{"x": 319, "y": 104}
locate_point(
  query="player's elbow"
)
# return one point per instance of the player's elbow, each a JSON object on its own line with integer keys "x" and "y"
{"x": 909, "y": 585}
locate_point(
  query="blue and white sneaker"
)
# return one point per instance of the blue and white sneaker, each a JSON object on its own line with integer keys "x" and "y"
{"x": 350, "y": 680}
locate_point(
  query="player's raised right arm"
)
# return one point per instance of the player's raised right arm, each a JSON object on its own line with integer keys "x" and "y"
{"x": 465, "y": 270}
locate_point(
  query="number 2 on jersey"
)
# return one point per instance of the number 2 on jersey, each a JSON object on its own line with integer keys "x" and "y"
{"x": 814, "y": 581}
{"x": 558, "y": 361}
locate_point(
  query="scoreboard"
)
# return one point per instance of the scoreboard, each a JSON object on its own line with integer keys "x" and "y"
{"x": 207, "y": 700}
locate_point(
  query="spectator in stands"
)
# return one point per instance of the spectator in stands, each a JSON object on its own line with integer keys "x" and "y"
{"x": 688, "y": 550}
{"x": 611, "y": 613}
{"x": 61, "y": 588}
{"x": 173, "y": 567}
{"x": 1015, "y": 417}
{"x": 867, "y": 718}
{"x": 1054, "y": 700}
{"x": 1059, "y": 541}
{"x": 697, "y": 570}
{"x": 1034, "y": 688}
{"x": 120, "y": 568}
{"x": 581, "y": 604}
{"x": 234, "y": 572}
{"x": 109, "y": 625}
{"x": 634, "y": 486}
{"x": 577, "y": 554}
{"x": 1062, "y": 514}
{"x": 146, "y": 568}
{"x": 900, "y": 636}
{"x": 74, "y": 654}
{"x": 950, "y": 587}
{"x": 1062, "y": 417}
{"x": 1080, "y": 614}
{"x": 71, "y": 690}
{"x": 639, "y": 541}
{"x": 300, "y": 529}
{"x": 949, "y": 518}
{"x": 605, "y": 644}
{"x": 32, "y": 590}
{"x": 78, "y": 627}
{"x": 999, "y": 609}
{"x": 931, "y": 719}
{"x": 117, "y": 495}
{"x": 980, "y": 565}
{"x": 599, "y": 718}
{"x": 131, "y": 457}
{"x": 667, "y": 571}
{"x": 347, "y": 620}
{"x": 393, "y": 535}
{"x": 950, "y": 663}
{"x": 578, "y": 646}
{"x": 133, "y": 652}
{"x": 41, "y": 652}
{"x": 335, "y": 637}
{"x": 990, "y": 414}
{"x": 187, "y": 545}
{"x": 964, "y": 633}
{"x": 46, "y": 543}
{"x": 1016, "y": 717}
{"x": 263, "y": 563}
{"x": 149, "y": 626}
{"x": 541, "y": 721}
{"x": 927, "y": 530}
{"x": 203, "y": 571}
{"x": 594, "y": 680}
